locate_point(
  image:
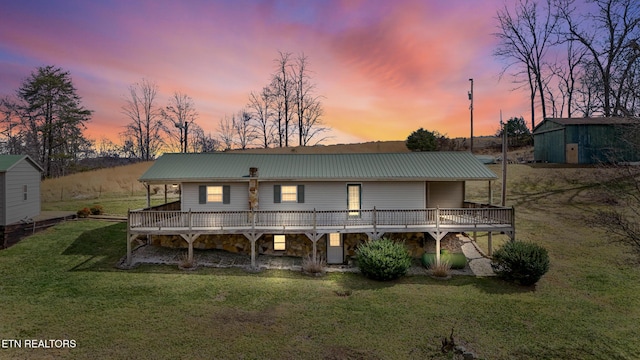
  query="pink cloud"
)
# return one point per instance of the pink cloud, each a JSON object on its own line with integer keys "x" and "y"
{"x": 383, "y": 68}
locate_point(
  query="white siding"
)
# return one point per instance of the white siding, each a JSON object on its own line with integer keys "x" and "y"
{"x": 239, "y": 197}
{"x": 16, "y": 207}
{"x": 393, "y": 195}
{"x": 332, "y": 195}
{"x": 446, "y": 194}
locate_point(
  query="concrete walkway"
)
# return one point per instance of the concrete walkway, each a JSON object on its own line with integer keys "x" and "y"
{"x": 477, "y": 261}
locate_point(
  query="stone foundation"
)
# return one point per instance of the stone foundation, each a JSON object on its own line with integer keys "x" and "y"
{"x": 297, "y": 245}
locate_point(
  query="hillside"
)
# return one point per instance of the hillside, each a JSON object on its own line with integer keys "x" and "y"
{"x": 123, "y": 180}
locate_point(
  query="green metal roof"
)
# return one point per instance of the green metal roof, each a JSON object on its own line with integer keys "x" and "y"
{"x": 434, "y": 166}
{"x": 9, "y": 161}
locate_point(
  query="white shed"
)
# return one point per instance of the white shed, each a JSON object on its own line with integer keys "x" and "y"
{"x": 19, "y": 189}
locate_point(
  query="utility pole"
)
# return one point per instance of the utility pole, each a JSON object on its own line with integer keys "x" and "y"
{"x": 504, "y": 161}
{"x": 186, "y": 130}
{"x": 471, "y": 109}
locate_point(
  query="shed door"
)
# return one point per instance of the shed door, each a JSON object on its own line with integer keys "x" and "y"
{"x": 335, "y": 249}
{"x": 572, "y": 153}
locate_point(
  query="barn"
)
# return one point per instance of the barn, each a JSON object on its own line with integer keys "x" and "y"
{"x": 19, "y": 189}
{"x": 585, "y": 140}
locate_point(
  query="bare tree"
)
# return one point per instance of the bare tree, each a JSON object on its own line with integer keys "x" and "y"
{"x": 245, "y": 132}
{"x": 261, "y": 106}
{"x": 524, "y": 39}
{"x": 227, "y": 133}
{"x": 610, "y": 36}
{"x": 179, "y": 116}
{"x": 145, "y": 127}
{"x": 620, "y": 214}
{"x": 201, "y": 142}
{"x": 311, "y": 128}
{"x": 282, "y": 90}
{"x": 567, "y": 76}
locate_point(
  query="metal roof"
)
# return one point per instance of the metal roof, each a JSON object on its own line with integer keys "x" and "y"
{"x": 592, "y": 121}
{"x": 434, "y": 166}
{"x": 9, "y": 161}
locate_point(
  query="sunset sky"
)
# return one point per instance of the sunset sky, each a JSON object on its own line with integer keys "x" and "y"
{"x": 383, "y": 68}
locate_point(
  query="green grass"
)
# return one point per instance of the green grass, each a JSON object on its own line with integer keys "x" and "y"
{"x": 62, "y": 284}
{"x": 113, "y": 205}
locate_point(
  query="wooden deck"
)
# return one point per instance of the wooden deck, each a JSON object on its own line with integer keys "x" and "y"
{"x": 344, "y": 221}
{"x": 374, "y": 222}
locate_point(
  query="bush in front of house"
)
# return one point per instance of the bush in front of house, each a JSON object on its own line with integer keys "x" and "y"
{"x": 383, "y": 259}
{"x": 84, "y": 212}
{"x": 521, "y": 262}
{"x": 97, "y": 210}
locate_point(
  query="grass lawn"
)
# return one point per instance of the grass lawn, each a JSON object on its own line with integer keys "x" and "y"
{"x": 61, "y": 284}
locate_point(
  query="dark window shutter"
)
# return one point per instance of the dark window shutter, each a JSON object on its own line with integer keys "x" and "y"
{"x": 226, "y": 194}
{"x": 300, "y": 194}
{"x": 276, "y": 194}
{"x": 202, "y": 194}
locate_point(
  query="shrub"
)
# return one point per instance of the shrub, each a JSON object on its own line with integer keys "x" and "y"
{"x": 440, "y": 270}
{"x": 97, "y": 210}
{"x": 521, "y": 262}
{"x": 313, "y": 266}
{"x": 83, "y": 213}
{"x": 383, "y": 259}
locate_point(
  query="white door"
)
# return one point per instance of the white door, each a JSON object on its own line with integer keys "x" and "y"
{"x": 335, "y": 249}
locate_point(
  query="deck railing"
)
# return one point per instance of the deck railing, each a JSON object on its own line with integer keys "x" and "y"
{"x": 311, "y": 219}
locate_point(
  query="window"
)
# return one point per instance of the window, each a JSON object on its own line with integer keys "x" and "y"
{"x": 24, "y": 192}
{"x": 334, "y": 239}
{"x": 288, "y": 194}
{"x": 353, "y": 199}
{"x": 216, "y": 194}
{"x": 279, "y": 242}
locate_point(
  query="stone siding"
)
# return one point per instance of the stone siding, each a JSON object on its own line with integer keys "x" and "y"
{"x": 297, "y": 245}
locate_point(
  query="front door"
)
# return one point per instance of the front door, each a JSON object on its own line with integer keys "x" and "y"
{"x": 335, "y": 249}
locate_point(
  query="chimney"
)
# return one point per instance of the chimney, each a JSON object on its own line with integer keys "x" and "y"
{"x": 253, "y": 188}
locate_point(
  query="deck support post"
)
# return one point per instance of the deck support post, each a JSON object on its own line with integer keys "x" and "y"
{"x": 190, "y": 239}
{"x": 253, "y": 237}
{"x": 314, "y": 237}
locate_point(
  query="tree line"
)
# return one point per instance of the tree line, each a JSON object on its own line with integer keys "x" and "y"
{"x": 46, "y": 119}
{"x": 574, "y": 58}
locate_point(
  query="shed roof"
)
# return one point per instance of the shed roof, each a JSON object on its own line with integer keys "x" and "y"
{"x": 9, "y": 161}
{"x": 591, "y": 121}
{"x": 434, "y": 166}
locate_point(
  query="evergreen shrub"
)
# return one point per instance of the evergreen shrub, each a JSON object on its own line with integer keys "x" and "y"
{"x": 521, "y": 262}
{"x": 383, "y": 259}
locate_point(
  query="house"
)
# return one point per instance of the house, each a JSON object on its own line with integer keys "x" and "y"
{"x": 19, "y": 196}
{"x": 585, "y": 140}
{"x": 305, "y": 204}
{"x": 19, "y": 188}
